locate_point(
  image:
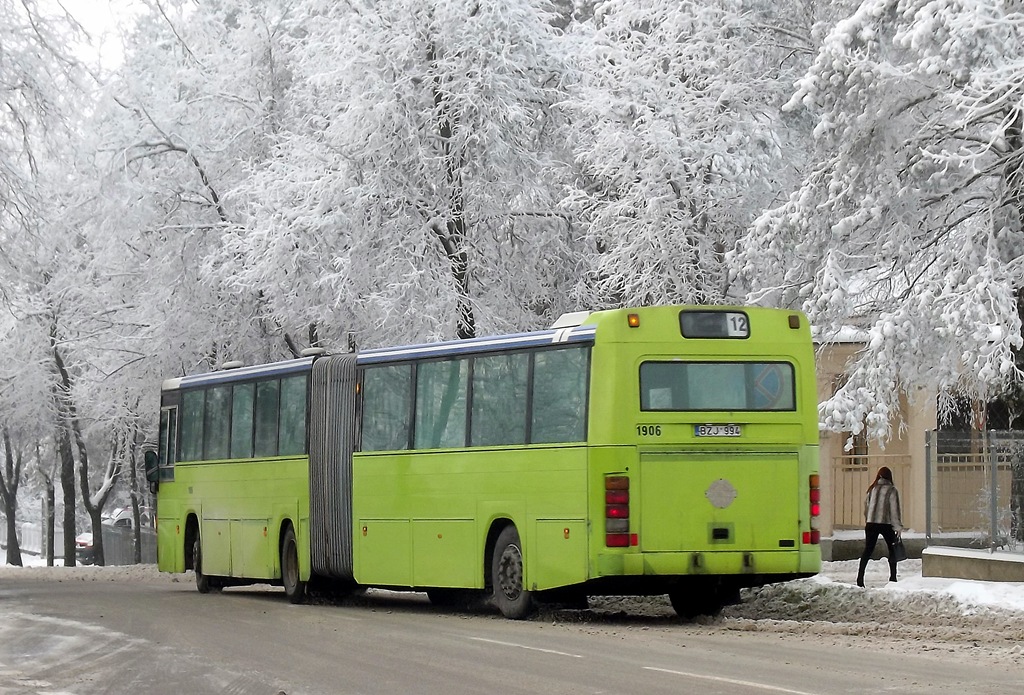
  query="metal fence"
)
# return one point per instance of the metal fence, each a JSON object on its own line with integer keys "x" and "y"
{"x": 974, "y": 489}
{"x": 851, "y": 476}
{"x": 118, "y": 543}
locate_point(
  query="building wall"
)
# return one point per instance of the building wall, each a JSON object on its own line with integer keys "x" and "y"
{"x": 845, "y": 476}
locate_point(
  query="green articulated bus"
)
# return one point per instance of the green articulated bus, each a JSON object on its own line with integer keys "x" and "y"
{"x": 656, "y": 450}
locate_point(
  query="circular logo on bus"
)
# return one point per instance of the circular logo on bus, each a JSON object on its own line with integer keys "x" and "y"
{"x": 721, "y": 493}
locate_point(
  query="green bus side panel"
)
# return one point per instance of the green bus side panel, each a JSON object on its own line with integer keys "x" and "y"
{"x": 386, "y": 546}
{"x": 251, "y": 554}
{"x": 242, "y": 505}
{"x": 560, "y": 553}
{"x": 427, "y": 515}
{"x": 704, "y": 502}
{"x": 434, "y": 543}
{"x": 216, "y": 551}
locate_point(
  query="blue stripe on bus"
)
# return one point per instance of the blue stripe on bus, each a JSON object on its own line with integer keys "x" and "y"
{"x": 578, "y": 334}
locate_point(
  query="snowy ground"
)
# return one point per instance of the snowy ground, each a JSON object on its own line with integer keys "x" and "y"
{"x": 969, "y": 619}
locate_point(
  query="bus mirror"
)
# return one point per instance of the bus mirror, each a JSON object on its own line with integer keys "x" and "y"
{"x": 152, "y": 467}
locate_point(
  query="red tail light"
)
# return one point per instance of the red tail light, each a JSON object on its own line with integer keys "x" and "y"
{"x": 813, "y": 537}
{"x": 616, "y": 512}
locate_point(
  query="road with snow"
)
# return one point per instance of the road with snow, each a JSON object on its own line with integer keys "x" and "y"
{"x": 115, "y": 630}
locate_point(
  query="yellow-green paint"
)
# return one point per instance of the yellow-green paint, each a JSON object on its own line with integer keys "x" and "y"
{"x": 423, "y": 519}
{"x": 242, "y": 507}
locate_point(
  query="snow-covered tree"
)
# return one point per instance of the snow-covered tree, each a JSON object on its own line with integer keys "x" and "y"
{"x": 909, "y": 221}
{"x": 676, "y": 143}
{"x": 176, "y": 131}
{"x": 409, "y": 196}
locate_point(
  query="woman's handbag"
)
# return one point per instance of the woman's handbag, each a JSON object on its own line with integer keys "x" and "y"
{"x": 899, "y": 551}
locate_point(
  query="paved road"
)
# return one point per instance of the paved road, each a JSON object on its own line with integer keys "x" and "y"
{"x": 82, "y": 637}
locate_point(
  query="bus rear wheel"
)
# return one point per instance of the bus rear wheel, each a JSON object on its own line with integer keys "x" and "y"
{"x": 294, "y": 588}
{"x": 510, "y": 597}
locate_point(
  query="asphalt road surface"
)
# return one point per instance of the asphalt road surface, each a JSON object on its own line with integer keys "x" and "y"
{"x": 79, "y": 637}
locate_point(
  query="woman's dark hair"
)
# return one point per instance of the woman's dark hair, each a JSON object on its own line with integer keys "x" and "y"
{"x": 883, "y": 472}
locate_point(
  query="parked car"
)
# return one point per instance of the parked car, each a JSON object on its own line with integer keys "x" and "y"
{"x": 84, "y": 549}
{"x": 120, "y": 518}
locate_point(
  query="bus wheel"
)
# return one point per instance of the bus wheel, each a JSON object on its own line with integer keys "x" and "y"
{"x": 294, "y": 588}
{"x": 202, "y": 581}
{"x": 692, "y": 601}
{"x": 510, "y": 597}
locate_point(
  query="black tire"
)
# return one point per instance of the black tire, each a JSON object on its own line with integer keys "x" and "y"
{"x": 294, "y": 587}
{"x": 202, "y": 581}
{"x": 509, "y": 595}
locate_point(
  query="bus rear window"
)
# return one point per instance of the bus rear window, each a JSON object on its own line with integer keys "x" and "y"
{"x": 700, "y": 386}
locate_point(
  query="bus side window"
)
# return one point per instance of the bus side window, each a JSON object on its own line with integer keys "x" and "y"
{"x": 267, "y": 412}
{"x": 441, "y": 404}
{"x": 243, "y": 398}
{"x": 193, "y": 408}
{"x": 499, "y": 399}
{"x": 216, "y": 433}
{"x": 387, "y": 392}
{"x": 293, "y": 415}
{"x": 559, "y": 396}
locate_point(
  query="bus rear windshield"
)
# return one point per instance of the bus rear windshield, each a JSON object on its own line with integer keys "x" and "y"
{"x": 701, "y": 386}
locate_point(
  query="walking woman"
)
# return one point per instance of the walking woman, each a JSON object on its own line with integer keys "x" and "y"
{"x": 883, "y": 518}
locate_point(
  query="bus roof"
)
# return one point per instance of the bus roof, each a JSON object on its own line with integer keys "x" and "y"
{"x": 226, "y": 376}
{"x": 572, "y": 334}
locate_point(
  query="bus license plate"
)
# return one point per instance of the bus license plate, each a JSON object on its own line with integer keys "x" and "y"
{"x": 716, "y": 431}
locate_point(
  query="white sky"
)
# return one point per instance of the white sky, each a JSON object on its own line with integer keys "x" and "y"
{"x": 102, "y": 19}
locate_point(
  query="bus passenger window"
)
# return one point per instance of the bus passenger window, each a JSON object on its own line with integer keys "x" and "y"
{"x": 192, "y": 408}
{"x": 386, "y": 408}
{"x": 499, "y": 399}
{"x": 241, "y": 420}
{"x": 559, "y": 396}
{"x": 293, "y": 415}
{"x": 441, "y": 404}
{"x": 267, "y": 398}
{"x": 216, "y": 433}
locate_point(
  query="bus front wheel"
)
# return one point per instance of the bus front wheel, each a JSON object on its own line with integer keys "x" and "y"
{"x": 510, "y": 597}
{"x": 294, "y": 588}
{"x": 202, "y": 581}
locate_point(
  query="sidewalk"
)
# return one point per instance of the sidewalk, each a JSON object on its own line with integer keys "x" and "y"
{"x": 936, "y": 561}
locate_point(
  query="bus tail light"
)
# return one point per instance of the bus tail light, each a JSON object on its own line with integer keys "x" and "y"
{"x": 616, "y": 511}
{"x": 813, "y": 537}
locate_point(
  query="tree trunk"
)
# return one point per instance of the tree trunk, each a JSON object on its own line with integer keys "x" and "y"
{"x": 13, "y": 547}
{"x": 67, "y": 484}
{"x": 133, "y": 482}
{"x": 453, "y": 235}
{"x": 49, "y": 500}
{"x": 10, "y": 478}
